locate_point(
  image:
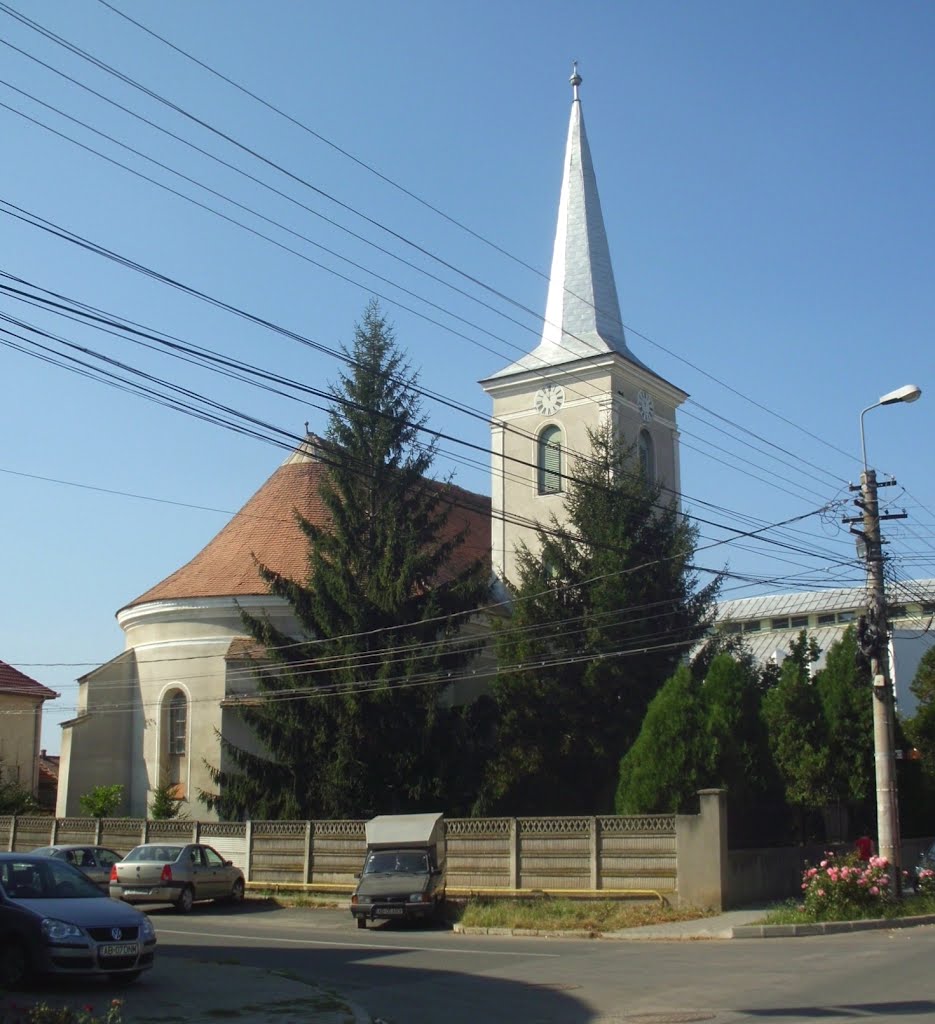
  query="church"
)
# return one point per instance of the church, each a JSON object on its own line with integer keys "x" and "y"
{"x": 187, "y": 662}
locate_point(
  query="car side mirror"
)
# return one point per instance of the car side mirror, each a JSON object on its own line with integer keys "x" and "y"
{"x": 357, "y": 875}
{"x": 228, "y": 863}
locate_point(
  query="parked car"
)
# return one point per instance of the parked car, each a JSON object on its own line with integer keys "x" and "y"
{"x": 94, "y": 861}
{"x": 55, "y": 920}
{"x": 176, "y": 873}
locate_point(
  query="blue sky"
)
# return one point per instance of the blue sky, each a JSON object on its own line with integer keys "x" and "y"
{"x": 766, "y": 177}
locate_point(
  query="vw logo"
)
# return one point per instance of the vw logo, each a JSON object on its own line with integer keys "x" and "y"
{"x": 116, "y": 934}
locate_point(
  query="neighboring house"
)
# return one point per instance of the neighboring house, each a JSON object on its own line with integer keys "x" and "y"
{"x": 187, "y": 664}
{"x": 21, "y": 700}
{"x": 769, "y": 624}
{"x": 48, "y": 780}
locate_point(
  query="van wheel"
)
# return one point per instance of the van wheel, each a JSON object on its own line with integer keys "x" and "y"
{"x": 361, "y": 922}
{"x": 185, "y": 901}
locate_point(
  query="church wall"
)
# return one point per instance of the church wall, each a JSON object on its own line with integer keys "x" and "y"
{"x": 97, "y": 746}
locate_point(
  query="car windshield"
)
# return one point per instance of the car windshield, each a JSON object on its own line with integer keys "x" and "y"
{"x": 412, "y": 862}
{"x": 166, "y": 854}
{"x": 45, "y": 879}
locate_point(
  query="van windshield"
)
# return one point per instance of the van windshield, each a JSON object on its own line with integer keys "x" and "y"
{"x": 413, "y": 862}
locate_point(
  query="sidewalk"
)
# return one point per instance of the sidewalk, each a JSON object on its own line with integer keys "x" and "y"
{"x": 195, "y": 991}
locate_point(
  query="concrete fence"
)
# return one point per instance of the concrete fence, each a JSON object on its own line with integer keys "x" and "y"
{"x": 678, "y": 858}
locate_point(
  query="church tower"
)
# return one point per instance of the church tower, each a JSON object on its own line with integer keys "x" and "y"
{"x": 581, "y": 375}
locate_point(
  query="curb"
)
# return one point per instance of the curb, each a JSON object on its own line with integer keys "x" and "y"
{"x": 543, "y": 933}
{"x": 785, "y": 931}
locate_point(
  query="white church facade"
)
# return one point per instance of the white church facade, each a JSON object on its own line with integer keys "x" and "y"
{"x": 187, "y": 664}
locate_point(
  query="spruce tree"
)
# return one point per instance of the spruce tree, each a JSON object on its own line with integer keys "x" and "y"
{"x": 349, "y": 720}
{"x": 602, "y": 614}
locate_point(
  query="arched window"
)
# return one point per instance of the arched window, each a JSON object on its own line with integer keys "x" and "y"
{"x": 178, "y": 722}
{"x": 174, "y": 742}
{"x": 647, "y": 461}
{"x": 550, "y": 461}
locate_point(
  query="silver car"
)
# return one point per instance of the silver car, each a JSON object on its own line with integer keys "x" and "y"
{"x": 94, "y": 861}
{"x": 176, "y": 873}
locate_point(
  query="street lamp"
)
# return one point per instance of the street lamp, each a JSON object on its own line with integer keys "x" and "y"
{"x": 874, "y": 642}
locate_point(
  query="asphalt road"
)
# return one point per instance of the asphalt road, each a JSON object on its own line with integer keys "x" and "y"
{"x": 407, "y": 975}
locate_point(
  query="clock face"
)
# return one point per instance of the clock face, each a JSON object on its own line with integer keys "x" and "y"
{"x": 550, "y": 399}
{"x": 644, "y": 403}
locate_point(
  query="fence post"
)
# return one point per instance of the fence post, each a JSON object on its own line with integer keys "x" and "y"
{"x": 248, "y": 837}
{"x": 594, "y": 850}
{"x": 145, "y": 831}
{"x": 701, "y": 852}
{"x": 54, "y": 835}
{"x": 307, "y": 866}
{"x": 97, "y": 832}
{"x": 13, "y": 834}
{"x": 514, "y": 854}
{"x": 196, "y": 831}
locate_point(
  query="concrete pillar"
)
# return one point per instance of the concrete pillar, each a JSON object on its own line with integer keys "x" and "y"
{"x": 514, "y": 854}
{"x": 248, "y": 841}
{"x": 594, "y": 850}
{"x": 701, "y": 852}
{"x": 307, "y": 866}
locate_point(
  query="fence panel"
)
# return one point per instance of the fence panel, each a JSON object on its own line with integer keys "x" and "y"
{"x": 554, "y": 853}
{"x": 122, "y": 834}
{"x": 637, "y": 852}
{"x": 278, "y": 853}
{"x": 229, "y": 838}
{"x": 76, "y": 830}
{"x": 32, "y": 832}
{"x": 478, "y": 853}
{"x": 337, "y": 852}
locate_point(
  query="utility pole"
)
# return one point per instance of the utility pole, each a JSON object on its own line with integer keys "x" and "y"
{"x": 873, "y": 638}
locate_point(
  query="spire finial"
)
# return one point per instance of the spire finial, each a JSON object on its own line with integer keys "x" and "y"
{"x": 575, "y": 78}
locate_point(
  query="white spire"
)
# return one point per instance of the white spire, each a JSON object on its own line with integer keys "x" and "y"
{"x": 582, "y": 315}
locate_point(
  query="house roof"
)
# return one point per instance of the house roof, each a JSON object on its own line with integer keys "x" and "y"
{"x": 832, "y": 600}
{"x": 14, "y": 681}
{"x": 265, "y": 530}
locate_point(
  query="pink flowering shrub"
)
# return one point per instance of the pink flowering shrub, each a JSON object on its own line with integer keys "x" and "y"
{"x": 43, "y": 1013}
{"x": 925, "y": 882}
{"x": 842, "y": 887}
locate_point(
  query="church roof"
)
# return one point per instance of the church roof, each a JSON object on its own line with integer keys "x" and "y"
{"x": 265, "y": 530}
{"x": 582, "y": 317}
{"x": 14, "y": 681}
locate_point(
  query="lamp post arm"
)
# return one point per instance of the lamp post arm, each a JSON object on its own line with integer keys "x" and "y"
{"x": 863, "y": 442}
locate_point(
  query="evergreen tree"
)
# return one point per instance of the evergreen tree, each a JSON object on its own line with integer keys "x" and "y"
{"x": 349, "y": 720}
{"x": 661, "y": 772}
{"x": 600, "y": 619}
{"x": 845, "y": 691}
{"x": 797, "y": 732}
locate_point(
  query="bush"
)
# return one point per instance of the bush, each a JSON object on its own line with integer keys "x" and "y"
{"x": 925, "y": 883}
{"x": 101, "y": 801}
{"x": 841, "y": 888}
{"x": 42, "y": 1013}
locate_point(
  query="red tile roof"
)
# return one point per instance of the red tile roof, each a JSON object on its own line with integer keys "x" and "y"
{"x": 14, "y": 681}
{"x": 265, "y": 530}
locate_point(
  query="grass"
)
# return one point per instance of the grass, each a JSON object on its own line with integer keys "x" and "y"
{"x": 909, "y": 906}
{"x": 559, "y": 914}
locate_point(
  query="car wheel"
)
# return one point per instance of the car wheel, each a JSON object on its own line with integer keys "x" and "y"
{"x": 185, "y": 901}
{"x": 15, "y": 965}
{"x": 125, "y": 978}
{"x": 361, "y": 922}
{"x": 236, "y": 894}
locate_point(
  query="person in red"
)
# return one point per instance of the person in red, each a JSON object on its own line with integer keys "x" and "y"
{"x": 864, "y": 846}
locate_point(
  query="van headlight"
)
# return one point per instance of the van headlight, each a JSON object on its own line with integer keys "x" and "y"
{"x": 419, "y": 897}
{"x": 147, "y": 932}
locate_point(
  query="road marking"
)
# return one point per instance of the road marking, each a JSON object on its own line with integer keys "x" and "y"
{"x": 353, "y": 945}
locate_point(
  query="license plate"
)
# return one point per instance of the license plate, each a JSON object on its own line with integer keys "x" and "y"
{"x": 390, "y": 912}
{"x": 137, "y": 892}
{"x": 119, "y": 949}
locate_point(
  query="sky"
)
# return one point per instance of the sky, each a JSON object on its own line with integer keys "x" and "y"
{"x": 765, "y": 173}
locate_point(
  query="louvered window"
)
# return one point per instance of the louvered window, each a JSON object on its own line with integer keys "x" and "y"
{"x": 550, "y": 461}
{"x": 646, "y": 456}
